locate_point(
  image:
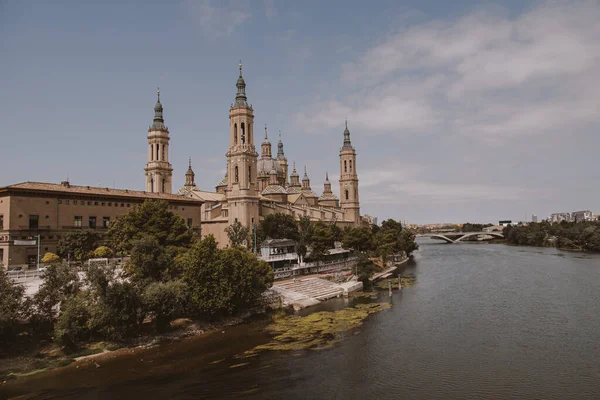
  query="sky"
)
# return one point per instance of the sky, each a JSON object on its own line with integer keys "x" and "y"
{"x": 459, "y": 110}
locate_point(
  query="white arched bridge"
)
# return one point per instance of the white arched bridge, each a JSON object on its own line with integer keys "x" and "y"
{"x": 456, "y": 237}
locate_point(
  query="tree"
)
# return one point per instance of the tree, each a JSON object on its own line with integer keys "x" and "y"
{"x": 77, "y": 244}
{"x": 238, "y": 234}
{"x": 118, "y": 314}
{"x": 151, "y": 218}
{"x": 50, "y": 258}
{"x": 72, "y": 325}
{"x": 103, "y": 252}
{"x": 59, "y": 283}
{"x": 364, "y": 270}
{"x": 305, "y": 232}
{"x": 149, "y": 261}
{"x": 277, "y": 226}
{"x": 321, "y": 241}
{"x": 12, "y": 307}
{"x": 223, "y": 281}
{"x": 165, "y": 302}
{"x": 358, "y": 238}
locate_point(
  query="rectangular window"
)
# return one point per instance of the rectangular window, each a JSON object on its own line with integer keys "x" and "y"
{"x": 128, "y": 205}
{"x": 189, "y": 224}
{"x": 89, "y": 203}
{"x": 103, "y": 204}
{"x": 34, "y": 221}
{"x": 110, "y": 204}
{"x": 122, "y": 204}
{"x": 1, "y": 222}
{"x": 1, "y": 256}
{"x": 95, "y": 203}
{"x": 77, "y": 222}
{"x": 50, "y": 237}
{"x": 67, "y": 201}
{"x": 92, "y": 223}
{"x": 105, "y": 222}
{"x": 74, "y": 202}
{"x": 59, "y": 201}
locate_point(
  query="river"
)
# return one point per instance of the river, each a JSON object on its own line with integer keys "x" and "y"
{"x": 483, "y": 321}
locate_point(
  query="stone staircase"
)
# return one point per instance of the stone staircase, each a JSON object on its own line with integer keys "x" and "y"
{"x": 315, "y": 288}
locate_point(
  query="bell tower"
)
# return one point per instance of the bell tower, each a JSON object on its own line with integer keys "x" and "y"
{"x": 242, "y": 190}
{"x": 349, "y": 180}
{"x": 158, "y": 169}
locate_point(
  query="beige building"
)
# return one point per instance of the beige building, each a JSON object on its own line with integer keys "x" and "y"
{"x": 256, "y": 185}
{"x": 50, "y": 210}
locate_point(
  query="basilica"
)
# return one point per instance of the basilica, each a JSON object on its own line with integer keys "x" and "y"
{"x": 254, "y": 185}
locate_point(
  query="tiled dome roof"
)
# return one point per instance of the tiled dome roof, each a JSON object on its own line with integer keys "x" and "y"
{"x": 274, "y": 189}
{"x": 293, "y": 190}
{"x": 328, "y": 196}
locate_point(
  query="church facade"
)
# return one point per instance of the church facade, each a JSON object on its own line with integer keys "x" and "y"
{"x": 255, "y": 185}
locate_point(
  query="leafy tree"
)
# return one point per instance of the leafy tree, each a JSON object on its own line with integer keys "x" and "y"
{"x": 321, "y": 242}
{"x": 103, "y": 252}
{"x": 358, "y": 238}
{"x": 223, "y": 281}
{"x": 238, "y": 234}
{"x": 72, "y": 325}
{"x": 151, "y": 218}
{"x": 77, "y": 244}
{"x": 364, "y": 270}
{"x": 149, "y": 260}
{"x": 118, "y": 314}
{"x": 305, "y": 232}
{"x": 277, "y": 226}
{"x": 60, "y": 282}
{"x": 165, "y": 302}
{"x": 50, "y": 258}
{"x": 12, "y": 307}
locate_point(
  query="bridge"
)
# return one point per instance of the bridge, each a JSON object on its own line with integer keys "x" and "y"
{"x": 456, "y": 237}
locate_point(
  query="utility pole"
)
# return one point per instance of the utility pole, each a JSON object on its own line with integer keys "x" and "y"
{"x": 38, "y": 256}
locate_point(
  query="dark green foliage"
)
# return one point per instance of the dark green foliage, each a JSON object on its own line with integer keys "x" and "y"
{"x": 393, "y": 239}
{"x": 118, "y": 314}
{"x": 78, "y": 245}
{"x": 223, "y": 281}
{"x": 277, "y": 226}
{"x": 469, "y": 227}
{"x": 72, "y": 324}
{"x": 149, "y": 260}
{"x": 321, "y": 240}
{"x": 151, "y": 218}
{"x": 564, "y": 235}
{"x": 12, "y": 307}
{"x": 360, "y": 239}
{"x": 60, "y": 281}
{"x": 238, "y": 234}
{"x": 165, "y": 302}
{"x": 305, "y": 232}
{"x": 364, "y": 270}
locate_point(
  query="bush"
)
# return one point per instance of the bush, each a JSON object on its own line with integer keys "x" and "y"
{"x": 72, "y": 325}
{"x": 118, "y": 313}
{"x": 165, "y": 302}
{"x": 102, "y": 252}
{"x": 50, "y": 258}
{"x": 12, "y": 307}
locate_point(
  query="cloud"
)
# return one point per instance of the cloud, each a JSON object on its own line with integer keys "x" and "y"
{"x": 486, "y": 75}
{"x": 218, "y": 19}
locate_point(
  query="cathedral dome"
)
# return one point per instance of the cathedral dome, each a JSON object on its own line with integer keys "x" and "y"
{"x": 274, "y": 189}
{"x": 266, "y": 165}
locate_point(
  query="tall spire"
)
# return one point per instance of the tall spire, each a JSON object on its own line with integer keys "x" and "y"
{"x": 280, "y": 154}
{"x": 240, "y": 97}
{"x": 266, "y": 137}
{"x": 327, "y": 177}
{"x": 158, "y": 123}
{"x": 189, "y": 175}
{"x": 347, "y": 143}
{"x": 305, "y": 174}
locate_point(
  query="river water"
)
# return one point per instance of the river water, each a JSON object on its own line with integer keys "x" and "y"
{"x": 483, "y": 321}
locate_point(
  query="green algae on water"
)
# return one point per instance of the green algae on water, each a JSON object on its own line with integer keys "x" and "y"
{"x": 316, "y": 331}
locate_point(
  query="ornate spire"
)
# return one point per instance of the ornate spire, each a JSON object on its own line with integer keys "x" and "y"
{"x": 240, "y": 97}
{"x": 305, "y": 174}
{"x": 266, "y": 137}
{"x": 327, "y": 177}
{"x": 347, "y": 143}
{"x": 280, "y": 155}
{"x": 159, "y": 123}
{"x": 189, "y": 175}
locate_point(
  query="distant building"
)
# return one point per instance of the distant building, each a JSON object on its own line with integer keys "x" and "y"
{"x": 505, "y": 222}
{"x": 559, "y": 217}
{"x": 579, "y": 216}
{"x": 534, "y": 218}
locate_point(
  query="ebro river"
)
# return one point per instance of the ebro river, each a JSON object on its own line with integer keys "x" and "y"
{"x": 483, "y": 321}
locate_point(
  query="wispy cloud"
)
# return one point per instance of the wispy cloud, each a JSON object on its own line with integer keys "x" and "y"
{"x": 485, "y": 75}
{"x": 218, "y": 19}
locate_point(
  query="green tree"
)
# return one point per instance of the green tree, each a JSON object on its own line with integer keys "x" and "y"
{"x": 223, "y": 281}
{"x": 165, "y": 302}
{"x": 103, "y": 252}
{"x": 12, "y": 307}
{"x": 118, "y": 314}
{"x": 72, "y": 325}
{"x": 151, "y": 218}
{"x": 149, "y": 261}
{"x": 321, "y": 242}
{"x": 60, "y": 282}
{"x": 277, "y": 226}
{"x": 50, "y": 258}
{"x": 358, "y": 238}
{"x": 364, "y": 270}
{"x": 238, "y": 234}
{"x": 77, "y": 245}
{"x": 305, "y": 232}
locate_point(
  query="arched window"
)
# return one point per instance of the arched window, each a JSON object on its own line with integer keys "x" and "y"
{"x": 250, "y": 134}
{"x": 234, "y": 133}
{"x": 350, "y": 165}
{"x": 163, "y": 185}
{"x": 236, "y": 174}
{"x": 156, "y": 151}
{"x": 243, "y": 133}
{"x": 151, "y": 153}
{"x": 355, "y": 194}
{"x": 151, "y": 184}
{"x": 249, "y": 175}
{"x": 162, "y": 156}
{"x": 346, "y": 194}
{"x": 345, "y": 166}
